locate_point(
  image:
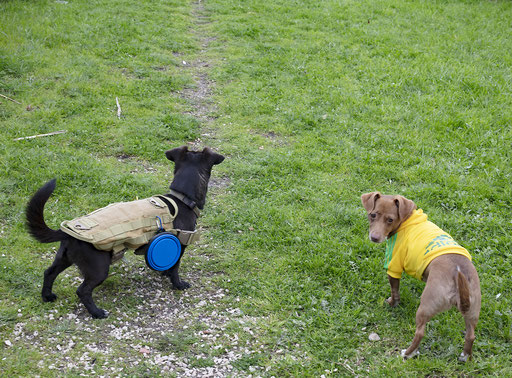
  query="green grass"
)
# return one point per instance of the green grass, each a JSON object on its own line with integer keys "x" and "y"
{"x": 316, "y": 103}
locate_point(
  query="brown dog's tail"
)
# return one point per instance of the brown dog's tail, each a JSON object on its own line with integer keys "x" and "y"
{"x": 35, "y": 216}
{"x": 463, "y": 285}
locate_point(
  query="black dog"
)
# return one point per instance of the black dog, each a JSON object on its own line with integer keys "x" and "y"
{"x": 191, "y": 175}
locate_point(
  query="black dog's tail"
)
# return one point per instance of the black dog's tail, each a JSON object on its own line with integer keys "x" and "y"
{"x": 35, "y": 216}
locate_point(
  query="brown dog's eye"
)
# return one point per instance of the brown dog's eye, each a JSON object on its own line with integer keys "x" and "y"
{"x": 390, "y": 220}
{"x": 373, "y": 215}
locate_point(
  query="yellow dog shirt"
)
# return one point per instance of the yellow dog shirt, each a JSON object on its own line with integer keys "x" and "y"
{"x": 416, "y": 243}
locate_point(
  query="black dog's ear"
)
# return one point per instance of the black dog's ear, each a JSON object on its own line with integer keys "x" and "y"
{"x": 212, "y": 156}
{"x": 368, "y": 200}
{"x": 176, "y": 153}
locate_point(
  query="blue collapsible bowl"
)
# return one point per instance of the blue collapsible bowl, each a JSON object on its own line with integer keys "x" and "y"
{"x": 163, "y": 252}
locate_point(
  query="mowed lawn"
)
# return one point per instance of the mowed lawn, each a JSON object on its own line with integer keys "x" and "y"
{"x": 313, "y": 103}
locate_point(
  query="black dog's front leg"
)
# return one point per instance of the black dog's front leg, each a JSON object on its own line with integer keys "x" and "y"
{"x": 394, "y": 300}
{"x": 174, "y": 276}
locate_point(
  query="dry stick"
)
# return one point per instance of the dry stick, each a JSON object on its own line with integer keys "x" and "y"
{"x": 118, "y": 108}
{"x": 10, "y": 99}
{"x": 347, "y": 366}
{"x": 42, "y": 135}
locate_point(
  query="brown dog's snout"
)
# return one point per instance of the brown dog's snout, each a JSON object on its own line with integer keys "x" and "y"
{"x": 377, "y": 232}
{"x": 376, "y": 237}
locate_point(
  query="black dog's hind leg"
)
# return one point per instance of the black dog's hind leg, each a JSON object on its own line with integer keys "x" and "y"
{"x": 84, "y": 292}
{"x": 60, "y": 263}
{"x": 174, "y": 276}
{"x": 95, "y": 271}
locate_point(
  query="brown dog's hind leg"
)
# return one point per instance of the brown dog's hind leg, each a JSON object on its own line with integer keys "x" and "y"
{"x": 469, "y": 339}
{"x": 422, "y": 319}
{"x": 434, "y": 299}
{"x": 472, "y": 314}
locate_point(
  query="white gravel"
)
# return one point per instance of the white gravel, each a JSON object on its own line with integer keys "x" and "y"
{"x": 194, "y": 333}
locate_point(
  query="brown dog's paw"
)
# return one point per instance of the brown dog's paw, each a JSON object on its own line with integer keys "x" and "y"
{"x": 464, "y": 357}
{"x": 405, "y": 356}
{"x": 392, "y": 302}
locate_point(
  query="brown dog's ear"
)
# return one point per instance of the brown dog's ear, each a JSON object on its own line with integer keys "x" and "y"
{"x": 405, "y": 207}
{"x": 212, "y": 156}
{"x": 368, "y": 200}
{"x": 176, "y": 153}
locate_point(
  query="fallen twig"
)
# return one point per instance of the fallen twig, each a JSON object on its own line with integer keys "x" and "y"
{"x": 42, "y": 135}
{"x": 347, "y": 366}
{"x": 118, "y": 108}
{"x": 10, "y": 99}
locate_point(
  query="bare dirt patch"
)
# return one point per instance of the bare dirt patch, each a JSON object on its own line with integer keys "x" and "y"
{"x": 219, "y": 182}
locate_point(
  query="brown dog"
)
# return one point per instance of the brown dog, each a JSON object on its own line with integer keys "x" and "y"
{"x": 424, "y": 251}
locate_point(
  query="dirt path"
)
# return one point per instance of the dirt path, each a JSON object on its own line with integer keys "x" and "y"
{"x": 199, "y": 96}
{"x": 199, "y": 332}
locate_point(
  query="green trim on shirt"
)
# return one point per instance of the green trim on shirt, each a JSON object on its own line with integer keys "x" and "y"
{"x": 390, "y": 244}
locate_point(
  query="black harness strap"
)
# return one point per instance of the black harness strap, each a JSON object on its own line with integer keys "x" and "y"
{"x": 187, "y": 201}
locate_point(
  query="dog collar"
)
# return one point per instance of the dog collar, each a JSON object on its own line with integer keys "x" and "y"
{"x": 187, "y": 201}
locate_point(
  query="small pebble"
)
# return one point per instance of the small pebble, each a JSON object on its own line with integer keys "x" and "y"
{"x": 374, "y": 337}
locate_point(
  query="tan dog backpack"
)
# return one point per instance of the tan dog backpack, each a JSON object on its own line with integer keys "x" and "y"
{"x": 126, "y": 225}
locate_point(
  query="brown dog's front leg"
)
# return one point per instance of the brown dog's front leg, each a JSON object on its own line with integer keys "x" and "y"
{"x": 394, "y": 300}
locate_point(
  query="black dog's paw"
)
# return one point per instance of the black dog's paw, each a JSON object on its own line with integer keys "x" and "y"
{"x": 100, "y": 314}
{"x": 49, "y": 297}
{"x": 182, "y": 285}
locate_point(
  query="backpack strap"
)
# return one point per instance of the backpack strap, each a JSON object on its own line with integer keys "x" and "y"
{"x": 173, "y": 208}
{"x": 185, "y": 237}
{"x": 187, "y": 201}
